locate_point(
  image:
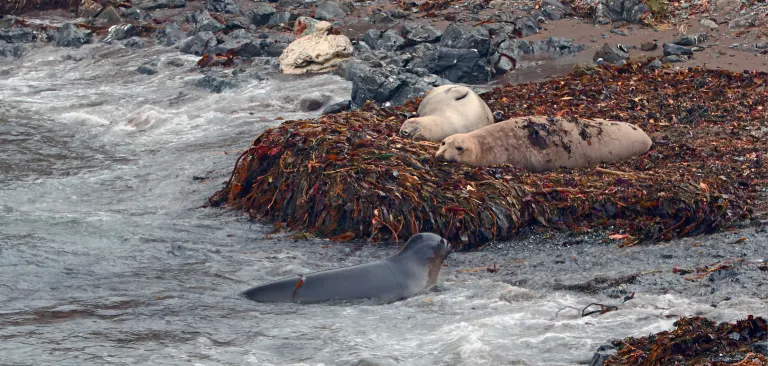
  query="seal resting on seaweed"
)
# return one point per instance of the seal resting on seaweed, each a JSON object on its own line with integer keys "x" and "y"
{"x": 541, "y": 143}
{"x": 447, "y": 110}
{"x": 413, "y": 269}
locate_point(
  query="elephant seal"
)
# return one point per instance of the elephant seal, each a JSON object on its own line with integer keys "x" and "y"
{"x": 447, "y": 110}
{"x": 540, "y": 144}
{"x": 413, "y": 269}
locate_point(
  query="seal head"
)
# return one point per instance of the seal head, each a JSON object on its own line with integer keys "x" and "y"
{"x": 458, "y": 148}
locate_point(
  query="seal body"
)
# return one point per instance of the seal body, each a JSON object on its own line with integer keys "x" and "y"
{"x": 413, "y": 269}
{"x": 447, "y": 110}
{"x": 540, "y": 143}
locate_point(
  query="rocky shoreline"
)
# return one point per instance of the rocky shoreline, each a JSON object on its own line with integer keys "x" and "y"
{"x": 403, "y": 49}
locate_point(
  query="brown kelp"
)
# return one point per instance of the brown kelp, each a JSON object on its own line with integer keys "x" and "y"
{"x": 350, "y": 175}
{"x": 697, "y": 341}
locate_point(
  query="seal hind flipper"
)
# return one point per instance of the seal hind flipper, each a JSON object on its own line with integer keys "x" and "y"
{"x": 457, "y": 92}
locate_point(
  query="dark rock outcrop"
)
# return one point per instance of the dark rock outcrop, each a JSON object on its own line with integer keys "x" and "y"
{"x": 70, "y": 35}
{"x": 170, "y": 35}
{"x": 387, "y": 41}
{"x": 457, "y": 65}
{"x": 161, "y": 4}
{"x": 11, "y": 50}
{"x": 415, "y": 33}
{"x": 328, "y": 10}
{"x": 261, "y": 14}
{"x": 198, "y": 44}
{"x": 673, "y": 49}
{"x": 631, "y": 11}
{"x": 463, "y": 37}
{"x": 611, "y": 54}
{"x": 17, "y": 35}
{"x": 223, "y": 6}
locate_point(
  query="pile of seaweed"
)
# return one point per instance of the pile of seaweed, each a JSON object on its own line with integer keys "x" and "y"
{"x": 350, "y": 175}
{"x": 697, "y": 341}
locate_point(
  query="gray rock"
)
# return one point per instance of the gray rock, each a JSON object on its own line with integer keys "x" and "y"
{"x": 762, "y": 46}
{"x": 313, "y": 102}
{"x": 608, "y": 11}
{"x": 635, "y": 13}
{"x": 761, "y": 347}
{"x": 709, "y": 24}
{"x": 672, "y": 58}
{"x": 553, "y": 9}
{"x": 146, "y": 70}
{"x": 120, "y": 32}
{"x": 8, "y": 21}
{"x": 161, "y": 4}
{"x": 338, "y": 107}
{"x": 210, "y": 25}
{"x": 387, "y": 41}
{"x": 611, "y": 54}
{"x": 11, "y": 50}
{"x": 283, "y": 17}
{"x": 415, "y": 33}
{"x": 328, "y": 10}
{"x": 70, "y": 35}
{"x": 692, "y": 39}
{"x": 198, "y": 44}
{"x": 17, "y": 35}
{"x": 743, "y": 22}
{"x": 134, "y": 43}
{"x": 74, "y": 56}
{"x": 462, "y": 37}
{"x": 170, "y": 35}
{"x": 274, "y": 49}
{"x": 130, "y": 13}
{"x": 673, "y": 49}
{"x": 351, "y": 69}
{"x": 174, "y": 62}
{"x": 261, "y": 14}
{"x": 527, "y": 26}
{"x": 243, "y": 48}
{"x": 602, "y": 354}
{"x": 654, "y": 65}
{"x": 215, "y": 84}
{"x": 457, "y": 65}
{"x": 108, "y": 17}
{"x": 223, "y": 6}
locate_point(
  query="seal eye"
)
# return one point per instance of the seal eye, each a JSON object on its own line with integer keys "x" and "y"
{"x": 443, "y": 143}
{"x": 459, "y": 148}
{"x": 404, "y": 133}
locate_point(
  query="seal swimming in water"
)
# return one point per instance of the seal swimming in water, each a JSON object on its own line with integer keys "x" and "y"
{"x": 540, "y": 144}
{"x": 413, "y": 269}
{"x": 447, "y": 110}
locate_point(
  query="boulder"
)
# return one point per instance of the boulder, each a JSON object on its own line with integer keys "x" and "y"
{"x": 17, "y": 35}
{"x": 170, "y": 35}
{"x": 463, "y": 37}
{"x": 509, "y": 50}
{"x": 146, "y": 70}
{"x": 198, "y": 44}
{"x": 692, "y": 39}
{"x": 261, "y": 14}
{"x": 70, "y": 35}
{"x": 527, "y": 26}
{"x": 245, "y": 48}
{"x": 338, "y": 107}
{"x": 387, "y": 41}
{"x": 465, "y": 66}
{"x": 631, "y": 11}
{"x": 282, "y": 17}
{"x": 328, "y": 10}
{"x": 108, "y": 17}
{"x": 611, "y": 54}
{"x": 11, "y": 50}
{"x": 223, "y": 6}
{"x": 673, "y": 49}
{"x": 553, "y": 9}
{"x": 602, "y": 354}
{"x": 304, "y": 26}
{"x": 415, "y": 33}
{"x": 317, "y": 52}
{"x": 161, "y": 4}
{"x": 134, "y": 43}
{"x": 88, "y": 9}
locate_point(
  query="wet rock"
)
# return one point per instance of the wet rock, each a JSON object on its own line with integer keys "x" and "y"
{"x": 415, "y": 33}
{"x": 174, "y": 62}
{"x": 328, "y": 10}
{"x": 338, "y": 107}
{"x": 283, "y": 17}
{"x": 602, "y": 354}
{"x": 527, "y": 26}
{"x": 70, "y": 35}
{"x": 611, "y": 54}
{"x": 11, "y": 50}
{"x": 762, "y": 46}
{"x": 275, "y": 49}
{"x": 317, "y": 52}
{"x": 761, "y": 347}
{"x": 457, "y": 65}
{"x": 631, "y": 11}
{"x": 215, "y": 84}
{"x": 130, "y": 13}
{"x": 649, "y": 46}
{"x": 108, "y": 17}
{"x": 242, "y": 48}
{"x": 223, "y": 6}
{"x": 553, "y": 9}
{"x": 350, "y": 69}
{"x": 673, "y": 49}
{"x": 120, "y": 32}
{"x": 463, "y": 37}
{"x": 509, "y": 50}
{"x": 387, "y": 41}
{"x": 261, "y": 14}
{"x": 203, "y": 22}
{"x": 692, "y": 39}
{"x": 672, "y": 58}
{"x": 198, "y": 44}
{"x": 161, "y": 4}
{"x": 709, "y": 24}
{"x": 146, "y": 70}
{"x": 654, "y": 65}
{"x": 378, "y": 85}
{"x": 88, "y": 9}
{"x": 17, "y": 35}
{"x": 134, "y": 43}
{"x": 311, "y": 103}
{"x": 743, "y": 22}
{"x": 170, "y": 35}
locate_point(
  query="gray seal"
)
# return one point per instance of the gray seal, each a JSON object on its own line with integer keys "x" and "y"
{"x": 413, "y": 269}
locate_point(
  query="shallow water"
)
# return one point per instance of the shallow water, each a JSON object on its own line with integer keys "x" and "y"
{"x": 107, "y": 258}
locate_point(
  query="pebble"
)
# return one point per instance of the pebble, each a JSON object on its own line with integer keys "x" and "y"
{"x": 619, "y": 32}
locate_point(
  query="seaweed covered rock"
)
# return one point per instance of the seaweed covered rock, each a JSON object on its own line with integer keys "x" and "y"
{"x": 696, "y": 341}
{"x": 349, "y": 175}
